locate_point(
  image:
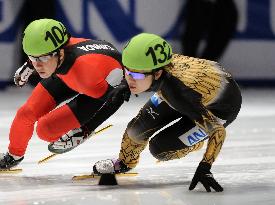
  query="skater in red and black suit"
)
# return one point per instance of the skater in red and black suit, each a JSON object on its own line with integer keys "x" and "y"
{"x": 83, "y": 71}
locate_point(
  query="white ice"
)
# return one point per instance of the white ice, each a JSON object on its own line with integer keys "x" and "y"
{"x": 245, "y": 166}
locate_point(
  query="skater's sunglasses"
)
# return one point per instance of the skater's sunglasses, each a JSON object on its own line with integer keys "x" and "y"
{"x": 136, "y": 75}
{"x": 44, "y": 58}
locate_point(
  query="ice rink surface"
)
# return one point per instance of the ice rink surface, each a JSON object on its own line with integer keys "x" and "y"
{"x": 245, "y": 166}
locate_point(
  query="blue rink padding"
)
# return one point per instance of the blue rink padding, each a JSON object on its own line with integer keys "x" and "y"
{"x": 4, "y": 84}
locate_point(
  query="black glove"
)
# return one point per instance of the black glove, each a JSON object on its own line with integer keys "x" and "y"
{"x": 204, "y": 176}
{"x": 23, "y": 73}
{"x": 120, "y": 93}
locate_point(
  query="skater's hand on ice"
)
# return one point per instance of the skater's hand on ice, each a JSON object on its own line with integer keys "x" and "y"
{"x": 204, "y": 176}
{"x": 23, "y": 73}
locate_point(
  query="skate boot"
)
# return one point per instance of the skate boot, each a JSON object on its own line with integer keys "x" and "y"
{"x": 70, "y": 140}
{"x": 110, "y": 166}
{"x": 8, "y": 161}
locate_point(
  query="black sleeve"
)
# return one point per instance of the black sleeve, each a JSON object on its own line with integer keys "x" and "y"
{"x": 114, "y": 97}
{"x": 106, "y": 94}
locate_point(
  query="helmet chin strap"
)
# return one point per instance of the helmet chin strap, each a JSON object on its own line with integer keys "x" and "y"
{"x": 58, "y": 58}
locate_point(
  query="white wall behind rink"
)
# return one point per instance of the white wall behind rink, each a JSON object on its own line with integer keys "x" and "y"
{"x": 247, "y": 59}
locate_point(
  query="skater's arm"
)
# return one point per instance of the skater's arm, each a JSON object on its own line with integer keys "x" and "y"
{"x": 189, "y": 103}
{"x": 216, "y": 133}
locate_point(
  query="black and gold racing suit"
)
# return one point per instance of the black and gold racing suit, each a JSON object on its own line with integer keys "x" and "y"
{"x": 192, "y": 92}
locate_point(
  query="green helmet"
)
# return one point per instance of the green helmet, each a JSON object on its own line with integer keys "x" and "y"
{"x": 44, "y": 36}
{"x": 146, "y": 52}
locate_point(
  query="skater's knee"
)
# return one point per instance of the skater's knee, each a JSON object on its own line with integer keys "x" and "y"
{"x": 158, "y": 154}
{"x": 155, "y": 150}
{"x": 43, "y": 130}
{"x": 163, "y": 152}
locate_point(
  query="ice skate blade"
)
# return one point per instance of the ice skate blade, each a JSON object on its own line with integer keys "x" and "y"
{"x": 10, "y": 171}
{"x": 96, "y": 176}
{"x": 47, "y": 158}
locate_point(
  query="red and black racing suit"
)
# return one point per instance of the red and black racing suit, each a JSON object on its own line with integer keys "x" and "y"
{"x": 89, "y": 71}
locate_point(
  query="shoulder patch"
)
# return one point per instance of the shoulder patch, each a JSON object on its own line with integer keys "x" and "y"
{"x": 156, "y": 99}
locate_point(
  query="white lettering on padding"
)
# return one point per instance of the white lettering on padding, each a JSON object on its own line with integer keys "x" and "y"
{"x": 193, "y": 136}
